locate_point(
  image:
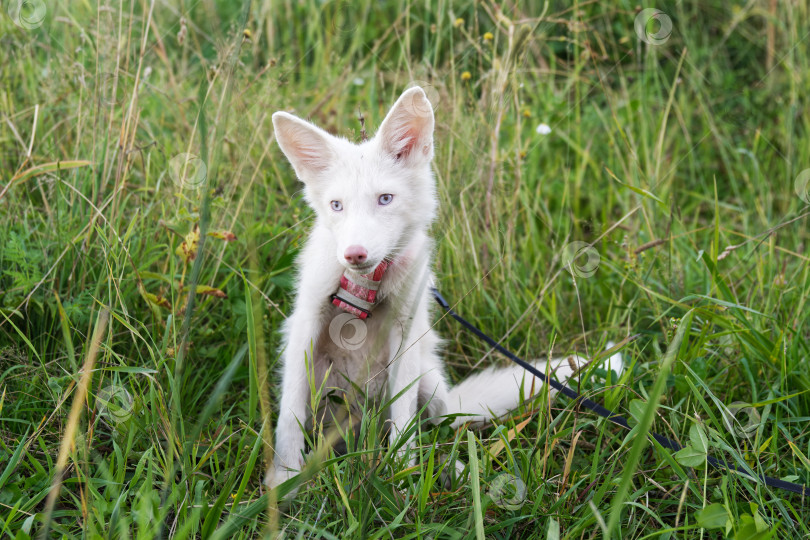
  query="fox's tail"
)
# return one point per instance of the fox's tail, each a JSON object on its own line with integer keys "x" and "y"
{"x": 496, "y": 391}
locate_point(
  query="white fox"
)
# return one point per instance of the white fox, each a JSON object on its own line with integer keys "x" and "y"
{"x": 366, "y": 266}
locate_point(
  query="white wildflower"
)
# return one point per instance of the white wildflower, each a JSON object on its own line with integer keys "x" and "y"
{"x": 543, "y": 129}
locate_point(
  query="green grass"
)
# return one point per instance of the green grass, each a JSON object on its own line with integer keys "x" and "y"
{"x": 678, "y": 163}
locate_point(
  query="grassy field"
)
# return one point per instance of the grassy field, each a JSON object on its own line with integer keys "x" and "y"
{"x": 149, "y": 226}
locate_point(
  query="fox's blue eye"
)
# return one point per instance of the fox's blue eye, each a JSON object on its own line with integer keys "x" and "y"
{"x": 385, "y": 199}
{"x": 337, "y": 206}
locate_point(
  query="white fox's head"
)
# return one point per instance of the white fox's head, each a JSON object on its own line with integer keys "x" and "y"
{"x": 372, "y": 196}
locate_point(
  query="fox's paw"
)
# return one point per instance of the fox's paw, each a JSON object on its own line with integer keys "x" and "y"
{"x": 408, "y": 457}
{"x": 452, "y": 472}
{"x": 278, "y": 475}
{"x": 615, "y": 362}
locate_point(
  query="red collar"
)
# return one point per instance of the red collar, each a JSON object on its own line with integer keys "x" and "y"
{"x": 357, "y": 293}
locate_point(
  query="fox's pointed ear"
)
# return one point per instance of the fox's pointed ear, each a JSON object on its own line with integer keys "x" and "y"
{"x": 406, "y": 134}
{"x": 308, "y": 148}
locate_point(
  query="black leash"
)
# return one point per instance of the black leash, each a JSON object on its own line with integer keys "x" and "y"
{"x": 605, "y": 413}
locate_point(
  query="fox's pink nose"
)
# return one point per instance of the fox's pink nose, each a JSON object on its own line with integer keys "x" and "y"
{"x": 355, "y": 254}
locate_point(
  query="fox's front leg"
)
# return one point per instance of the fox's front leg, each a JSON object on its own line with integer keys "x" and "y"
{"x": 403, "y": 375}
{"x": 289, "y": 449}
{"x": 316, "y": 281}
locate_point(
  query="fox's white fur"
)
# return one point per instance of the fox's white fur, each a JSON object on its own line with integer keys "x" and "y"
{"x": 399, "y": 352}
